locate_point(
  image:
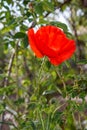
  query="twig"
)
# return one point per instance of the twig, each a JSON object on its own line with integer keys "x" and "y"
{"x": 42, "y": 122}
{"x": 65, "y": 2}
{"x": 58, "y": 7}
{"x": 8, "y": 123}
{"x": 6, "y": 80}
{"x": 73, "y": 24}
{"x": 28, "y": 72}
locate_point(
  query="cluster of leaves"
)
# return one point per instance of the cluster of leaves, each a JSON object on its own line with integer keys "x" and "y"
{"x": 37, "y": 95}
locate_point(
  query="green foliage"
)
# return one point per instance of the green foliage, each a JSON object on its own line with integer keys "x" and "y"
{"x": 59, "y": 24}
{"x": 19, "y": 35}
{"x": 37, "y": 95}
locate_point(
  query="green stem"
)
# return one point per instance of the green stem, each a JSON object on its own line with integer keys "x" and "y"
{"x": 58, "y": 109}
{"x": 42, "y": 122}
{"x": 41, "y": 69}
{"x": 48, "y": 121}
{"x": 16, "y": 56}
{"x": 39, "y": 77}
{"x": 62, "y": 79}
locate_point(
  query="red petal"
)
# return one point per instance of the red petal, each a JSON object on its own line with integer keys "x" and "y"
{"x": 32, "y": 41}
{"x": 42, "y": 38}
{"x": 56, "y": 37}
{"x": 49, "y": 40}
{"x": 64, "y": 55}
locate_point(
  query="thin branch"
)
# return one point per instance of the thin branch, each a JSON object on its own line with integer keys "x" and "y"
{"x": 65, "y": 2}
{"x": 6, "y": 80}
{"x": 80, "y": 54}
{"x": 58, "y": 7}
{"x": 8, "y": 123}
{"x": 28, "y": 72}
{"x": 73, "y": 24}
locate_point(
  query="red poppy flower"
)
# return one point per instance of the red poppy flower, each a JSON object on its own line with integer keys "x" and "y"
{"x": 51, "y": 41}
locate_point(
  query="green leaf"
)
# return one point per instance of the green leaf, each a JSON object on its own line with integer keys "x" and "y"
{"x": 48, "y": 6}
{"x": 7, "y": 29}
{"x": 43, "y": 21}
{"x": 84, "y": 61}
{"x": 48, "y": 64}
{"x": 22, "y": 35}
{"x": 7, "y": 90}
{"x": 19, "y": 35}
{"x": 6, "y": 7}
{"x": 59, "y": 24}
{"x": 48, "y": 92}
{"x": 19, "y": 101}
{"x": 1, "y": 18}
{"x": 69, "y": 35}
{"x": 1, "y": 108}
{"x": 23, "y": 28}
{"x": 11, "y": 22}
{"x": 12, "y": 44}
{"x": 9, "y": 1}
{"x": 39, "y": 8}
{"x": 13, "y": 25}
{"x": 25, "y": 41}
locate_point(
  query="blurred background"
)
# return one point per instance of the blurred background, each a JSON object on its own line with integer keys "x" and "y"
{"x": 33, "y": 95}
